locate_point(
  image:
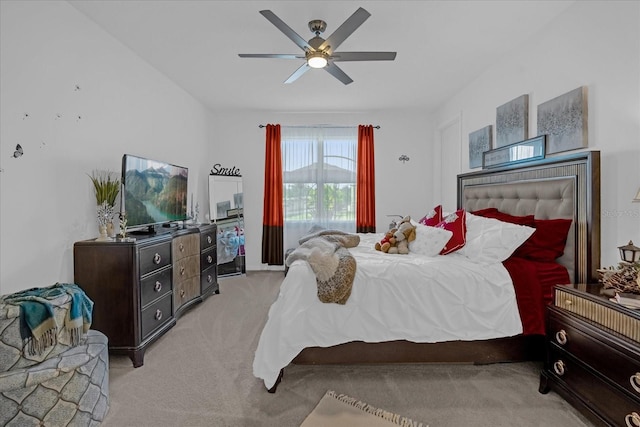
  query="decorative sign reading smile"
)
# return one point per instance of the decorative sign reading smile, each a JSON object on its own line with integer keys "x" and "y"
{"x": 219, "y": 170}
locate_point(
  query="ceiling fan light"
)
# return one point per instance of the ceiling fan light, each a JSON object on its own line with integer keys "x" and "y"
{"x": 317, "y": 61}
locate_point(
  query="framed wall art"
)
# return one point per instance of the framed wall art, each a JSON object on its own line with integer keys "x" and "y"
{"x": 223, "y": 208}
{"x": 238, "y": 200}
{"x": 564, "y": 120}
{"x": 523, "y": 151}
{"x": 512, "y": 121}
{"x": 479, "y": 142}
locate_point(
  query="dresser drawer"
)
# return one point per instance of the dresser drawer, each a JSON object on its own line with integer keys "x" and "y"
{"x": 612, "y": 404}
{"x": 208, "y": 278}
{"x": 185, "y": 291}
{"x": 186, "y": 268}
{"x": 185, "y": 246}
{"x": 156, "y": 315}
{"x": 208, "y": 239}
{"x": 156, "y": 285}
{"x": 208, "y": 259}
{"x": 154, "y": 257}
{"x": 600, "y": 310}
{"x": 621, "y": 365}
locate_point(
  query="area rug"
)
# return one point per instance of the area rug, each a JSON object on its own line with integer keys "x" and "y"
{"x": 340, "y": 410}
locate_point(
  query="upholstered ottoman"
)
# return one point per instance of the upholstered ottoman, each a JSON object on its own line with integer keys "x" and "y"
{"x": 13, "y": 351}
{"x": 54, "y": 370}
{"x": 68, "y": 389}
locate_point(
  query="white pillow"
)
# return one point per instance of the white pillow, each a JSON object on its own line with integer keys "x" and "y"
{"x": 429, "y": 241}
{"x": 490, "y": 240}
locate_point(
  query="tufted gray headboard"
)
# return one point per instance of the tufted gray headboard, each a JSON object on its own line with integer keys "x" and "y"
{"x": 556, "y": 187}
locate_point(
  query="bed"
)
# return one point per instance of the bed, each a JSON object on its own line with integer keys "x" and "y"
{"x": 302, "y": 330}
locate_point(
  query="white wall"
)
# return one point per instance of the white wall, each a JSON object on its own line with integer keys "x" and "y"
{"x": 127, "y": 106}
{"x": 594, "y": 44}
{"x": 401, "y": 188}
{"x": 47, "y": 202}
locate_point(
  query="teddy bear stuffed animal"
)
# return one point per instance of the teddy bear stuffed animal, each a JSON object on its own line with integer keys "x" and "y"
{"x": 387, "y": 242}
{"x": 406, "y": 233}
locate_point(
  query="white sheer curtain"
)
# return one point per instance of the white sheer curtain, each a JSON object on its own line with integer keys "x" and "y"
{"x": 319, "y": 178}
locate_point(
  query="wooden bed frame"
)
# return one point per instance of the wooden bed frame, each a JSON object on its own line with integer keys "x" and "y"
{"x": 556, "y": 187}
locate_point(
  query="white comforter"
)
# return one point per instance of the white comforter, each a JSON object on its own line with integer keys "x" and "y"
{"x": 411, "y": 297}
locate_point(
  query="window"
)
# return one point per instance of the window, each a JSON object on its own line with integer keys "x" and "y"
{"x": 319, "y": 179}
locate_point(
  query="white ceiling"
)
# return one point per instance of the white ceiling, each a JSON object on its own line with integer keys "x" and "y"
{"x": 441, "y": 47}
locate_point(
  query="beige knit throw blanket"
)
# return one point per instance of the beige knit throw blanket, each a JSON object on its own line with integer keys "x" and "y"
{"x": 332, "y": 263}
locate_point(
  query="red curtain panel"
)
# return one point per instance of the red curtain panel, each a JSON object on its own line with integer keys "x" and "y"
{"x": 272, "y": 215}
{"x": 365, "y": 185}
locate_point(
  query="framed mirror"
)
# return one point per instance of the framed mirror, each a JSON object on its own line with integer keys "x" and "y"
{"x": 226, "y": 209}
{"x": 519, "y": 152}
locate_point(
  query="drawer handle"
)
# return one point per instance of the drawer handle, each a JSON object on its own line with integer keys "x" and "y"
{"x": 635, "y": 381}
{"x": 209, "y": 240}
{"x": 561, "y": 337}
{"x": 181, "y": 246}
{"x": 559, "y": 368}
{"x": 157, "y": 287}
{"x": 209, "y": 278}
{"x": 182, "y": 270}
{"x": 157, "y": 258}
{"x": 182, "y": 293}
{"x": 209, "y": 259}
{"x": 632, "y": 419}
{"x": 568, "y": 302}
{"x": 158, "y": 315}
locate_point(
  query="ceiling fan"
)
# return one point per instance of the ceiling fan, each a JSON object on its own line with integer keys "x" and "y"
{"x": 321, "y": 53}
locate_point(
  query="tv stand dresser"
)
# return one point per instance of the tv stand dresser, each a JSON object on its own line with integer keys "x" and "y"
{"x": 140, "y": 288}
{"x": 593, "y": 355}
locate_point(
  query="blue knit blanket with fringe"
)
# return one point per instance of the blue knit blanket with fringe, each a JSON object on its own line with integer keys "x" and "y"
{"x": 38, "y": 327}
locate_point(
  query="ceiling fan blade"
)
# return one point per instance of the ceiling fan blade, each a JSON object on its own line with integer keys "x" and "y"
{"x": 296, "y": 74}
{"x": 279, "y": 23}
{"x": 349, "y": 26}
{"x": 270, "y": 55}
{"x": 336, "y": 72}
{"x": 363, "y": 56}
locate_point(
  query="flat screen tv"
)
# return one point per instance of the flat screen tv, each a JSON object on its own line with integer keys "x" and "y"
{"x": 155, "y": 193}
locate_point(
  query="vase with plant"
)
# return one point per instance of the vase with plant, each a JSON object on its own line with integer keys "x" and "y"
{"x": 106, "y": 186}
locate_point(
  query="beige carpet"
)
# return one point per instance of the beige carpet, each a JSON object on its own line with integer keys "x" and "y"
{"x": 200, "y": 374}
{"x": 340, "y": 410}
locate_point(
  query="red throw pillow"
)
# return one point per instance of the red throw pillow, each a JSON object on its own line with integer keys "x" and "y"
{"x": 546, "y": 244}
{"x": 457, "y": 224}
{"x": 433, "y": 218}
{"x": 527, "y": 220}
{"x": 485, "y": 212}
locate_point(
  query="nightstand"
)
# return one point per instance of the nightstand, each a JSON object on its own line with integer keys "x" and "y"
{"x": 593, "y": 355}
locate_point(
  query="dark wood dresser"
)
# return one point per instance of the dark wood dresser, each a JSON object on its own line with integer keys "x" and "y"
{"x": 139, "y": 288}
{"x": 593, "y": 355}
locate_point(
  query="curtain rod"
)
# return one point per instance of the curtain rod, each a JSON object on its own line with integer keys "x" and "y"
{"x": 318, "y": 126}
